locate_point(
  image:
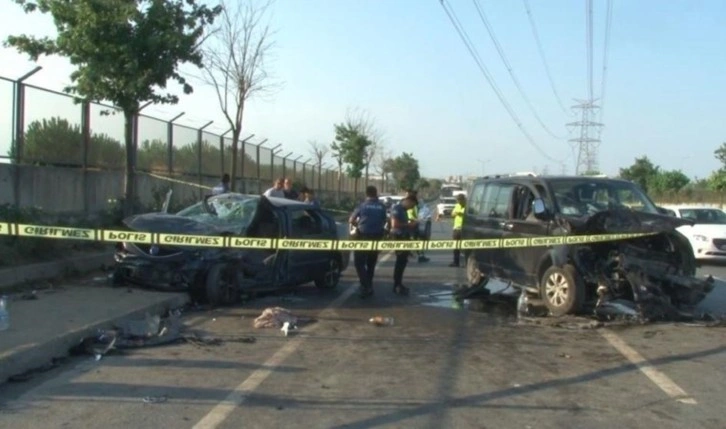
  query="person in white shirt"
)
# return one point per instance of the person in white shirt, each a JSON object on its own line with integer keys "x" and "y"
{"x": 276, "y": 191}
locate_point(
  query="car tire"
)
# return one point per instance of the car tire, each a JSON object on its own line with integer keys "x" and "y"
{"x": 562, "y": 290}
{"x": 473, "y": 273}
{"x": 220, "y": 290}
{"x": 331, "y": 277}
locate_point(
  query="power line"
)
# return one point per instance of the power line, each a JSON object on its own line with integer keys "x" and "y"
{"x": 472, "y": 50}
{"x": 543, "y": 57}
{"x": 606, "y": 48}
{"x": 589, "y": 49}
{"x": 490, "y": 30}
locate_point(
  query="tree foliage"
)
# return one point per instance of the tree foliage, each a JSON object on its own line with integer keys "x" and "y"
{"x": 57, "y": 141}
{"x": 641, "y": 172}
{"x": 124, "y": 51}
{"x": 405, "y": 171}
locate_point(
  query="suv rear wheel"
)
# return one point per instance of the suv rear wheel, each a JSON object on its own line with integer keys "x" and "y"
{"x": 562, "y": 291}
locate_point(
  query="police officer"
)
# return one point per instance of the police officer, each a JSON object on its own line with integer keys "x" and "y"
{"x": 412, "y": 214}
{"x": 369, "y": 218}
{"x": 458, "y": 215}
{"x": 401, "y": 230}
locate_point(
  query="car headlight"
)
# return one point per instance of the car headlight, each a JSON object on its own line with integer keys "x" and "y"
{"x": 698, "y": 237}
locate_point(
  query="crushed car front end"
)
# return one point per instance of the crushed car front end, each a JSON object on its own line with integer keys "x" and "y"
{"x": 177, "y": 266}
{"x": 652, "y": 276}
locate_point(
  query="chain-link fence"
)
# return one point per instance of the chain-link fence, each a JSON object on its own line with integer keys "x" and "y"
{"x": 42, "y": 131}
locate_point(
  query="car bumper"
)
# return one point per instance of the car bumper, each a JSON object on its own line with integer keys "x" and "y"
{"x": 166, "y": 273}
{"x": 709, "y": 251}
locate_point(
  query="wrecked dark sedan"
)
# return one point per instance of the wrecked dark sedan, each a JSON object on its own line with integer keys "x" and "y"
{"x": 222, "y": 276}
{"x": 650, "y": 276}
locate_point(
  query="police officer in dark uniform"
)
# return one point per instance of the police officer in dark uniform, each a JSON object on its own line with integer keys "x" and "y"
{"x": 401, "y": 229}
{"x": 369, "y": 218}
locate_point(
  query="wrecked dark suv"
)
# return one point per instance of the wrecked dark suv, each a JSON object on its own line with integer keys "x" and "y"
{"x": 654, "y": 274}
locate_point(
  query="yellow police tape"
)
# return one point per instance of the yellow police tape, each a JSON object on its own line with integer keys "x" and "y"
{"x": 115, "y": 236}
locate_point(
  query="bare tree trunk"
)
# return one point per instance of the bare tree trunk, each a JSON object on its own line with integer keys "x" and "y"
{"x": 235, "y": 148}
{"x": 130, "y": 177}
{"x": 340, "y": 183}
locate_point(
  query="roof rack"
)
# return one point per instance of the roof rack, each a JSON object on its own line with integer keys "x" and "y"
{"x": 519, "y": 174}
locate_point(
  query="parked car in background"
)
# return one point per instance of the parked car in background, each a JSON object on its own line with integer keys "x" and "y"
{"x": 445, "y": 206}
{"x": 708, "y": 233}
{"x": 221, "y": 276}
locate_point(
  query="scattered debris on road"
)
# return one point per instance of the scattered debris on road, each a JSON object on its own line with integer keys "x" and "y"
{"x": 276, "y": 317}
{"x": 155, "y": 399}
{"x": 381, "y": 321}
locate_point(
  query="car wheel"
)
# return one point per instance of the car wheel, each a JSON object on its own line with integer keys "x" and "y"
{"x": 562, "y": 291}
{"x": 473, "y": 273}
{"x": 331, "y": 277}
{"x": 220, "y": 286}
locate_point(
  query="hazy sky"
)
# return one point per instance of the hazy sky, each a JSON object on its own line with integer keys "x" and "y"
{"x": 403, "y": 61}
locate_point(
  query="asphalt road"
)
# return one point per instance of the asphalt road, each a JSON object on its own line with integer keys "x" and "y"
{"x": 438, "y": 366}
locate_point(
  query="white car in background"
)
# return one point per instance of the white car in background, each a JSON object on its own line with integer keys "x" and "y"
{"x": 708, "y": 234}
{"x": 445, "y": 206}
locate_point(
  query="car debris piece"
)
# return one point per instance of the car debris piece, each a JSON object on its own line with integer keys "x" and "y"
{"x": 275, "y": 317}
{"x": 155, "y": 399}
{"x": 381, "y": 321}
{"x": 286, "y": 327}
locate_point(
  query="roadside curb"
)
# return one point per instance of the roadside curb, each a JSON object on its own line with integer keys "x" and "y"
{"x": 31, "y": 356}
{"x": 10, "y": 277}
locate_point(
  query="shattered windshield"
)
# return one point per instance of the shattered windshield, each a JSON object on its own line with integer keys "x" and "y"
{"x": 585, "y": 197}
{"x": 226, "y": 210}
{"x": 705, "y": 216}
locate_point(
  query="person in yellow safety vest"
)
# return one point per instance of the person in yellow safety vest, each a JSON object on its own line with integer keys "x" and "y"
{"x": 458, "y": 215}
{"x": 412, "y": 215}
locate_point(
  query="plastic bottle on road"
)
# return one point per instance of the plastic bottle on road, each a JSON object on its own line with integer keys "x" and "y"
{"x": 381, "y": 321}
{"x": 4, "y": 314}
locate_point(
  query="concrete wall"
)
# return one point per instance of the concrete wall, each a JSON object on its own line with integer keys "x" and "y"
{"x": 69, "y": 190}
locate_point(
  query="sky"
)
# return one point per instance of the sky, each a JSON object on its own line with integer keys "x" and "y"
{"x": 403, "y": 62}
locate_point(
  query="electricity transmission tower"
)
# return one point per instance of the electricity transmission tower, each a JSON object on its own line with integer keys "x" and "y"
{"x": 587, "y": 143}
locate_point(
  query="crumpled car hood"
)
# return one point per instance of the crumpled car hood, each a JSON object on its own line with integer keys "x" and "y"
{"x": 625, "y": 221}
{"x": 172, "y": 224}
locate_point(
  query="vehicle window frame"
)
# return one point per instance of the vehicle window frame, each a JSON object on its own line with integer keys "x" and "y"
{"x": 496, "y": 198}
{"x": 472, "y": 206}
{"x": 318, "y": 220}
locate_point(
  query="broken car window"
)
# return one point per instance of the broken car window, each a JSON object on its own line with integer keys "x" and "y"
{"x": 224, "y": 210}
{"x": 584, "y": 197}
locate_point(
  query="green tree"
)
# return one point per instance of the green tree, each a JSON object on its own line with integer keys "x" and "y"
{"x": 125, "y": 52}
{"x": 717, "y": 179}
{"x": 669, "y": 181}
{"x": 352, "y": 144}
{"x": 57, "y": 141}
{"x": 405, "y": 171}
{"x": 641, "y": 172}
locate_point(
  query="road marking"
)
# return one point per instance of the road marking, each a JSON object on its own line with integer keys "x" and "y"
{"x": 657, "y": 377}
{"x": 221, "y": 411}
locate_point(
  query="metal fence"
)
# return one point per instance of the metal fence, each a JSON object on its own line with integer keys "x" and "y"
{"x": 47, "y": 128}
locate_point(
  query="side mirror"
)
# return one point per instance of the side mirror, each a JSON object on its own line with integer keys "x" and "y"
{"x": 540, "y": 210}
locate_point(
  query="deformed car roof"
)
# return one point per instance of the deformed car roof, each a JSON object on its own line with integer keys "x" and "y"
{"x": 275, "y": 201}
